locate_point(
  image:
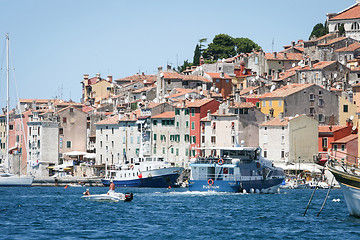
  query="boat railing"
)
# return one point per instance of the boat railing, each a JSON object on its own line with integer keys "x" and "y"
{"x": 219, "y": 177}
{"x": 344, "y": 160}
{"x": 212, "y": 160}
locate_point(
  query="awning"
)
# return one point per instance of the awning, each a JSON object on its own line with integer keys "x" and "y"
{"x": 75, "y": 153}
{"x": 311, "y": 167}
{"x": 90, "y": 155}
{"x": 61, "y": 167}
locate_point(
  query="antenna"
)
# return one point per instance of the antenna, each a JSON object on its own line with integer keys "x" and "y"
{"x": 272, "y": 45}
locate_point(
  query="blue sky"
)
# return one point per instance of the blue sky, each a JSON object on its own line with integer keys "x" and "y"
{"x": 53, "y": 43}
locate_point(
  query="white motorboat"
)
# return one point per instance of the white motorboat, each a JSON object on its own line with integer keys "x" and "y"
{"x": 112, "y": 197}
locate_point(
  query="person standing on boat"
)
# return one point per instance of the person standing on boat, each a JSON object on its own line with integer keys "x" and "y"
{"x": 111, "y": 187}
{"x": 87, "y": 193}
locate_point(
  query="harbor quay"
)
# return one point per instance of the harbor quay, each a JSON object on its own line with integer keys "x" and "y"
{"x": 64, "y": 181}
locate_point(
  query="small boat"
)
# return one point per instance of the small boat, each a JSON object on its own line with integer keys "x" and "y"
{"x": 237, "y": 169}
{"x": 346, "y": 171}
{"x": 112, "y": 197}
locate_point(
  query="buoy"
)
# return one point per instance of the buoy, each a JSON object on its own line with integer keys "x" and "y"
{"x": 169, "y": 187}
{"x": 257, "y": 191}
{"x": 66, "y": 186}
{"x": 140, "y": 175}
{"x": 252, "y": 190}
{"x": 220, "y": 161}
{"x": 210, "y": 182}
{"x": 244, "y": 190}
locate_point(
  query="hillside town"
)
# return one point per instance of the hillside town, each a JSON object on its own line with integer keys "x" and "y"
{"x": 295, "y": 104}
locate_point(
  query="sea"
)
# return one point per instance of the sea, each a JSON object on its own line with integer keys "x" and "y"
{"x": 59, "y": 213}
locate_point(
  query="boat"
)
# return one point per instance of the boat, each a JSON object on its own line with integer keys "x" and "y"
{"x": 236, "y": 169}
{"x": 152, "y": 172}
{"x": 346, "y": 171}
{"x": 8, "y": 179}
{"x": 112, "y": 197}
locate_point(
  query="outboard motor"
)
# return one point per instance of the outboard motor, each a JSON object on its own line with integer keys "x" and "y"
{"x": 129, "y": 197}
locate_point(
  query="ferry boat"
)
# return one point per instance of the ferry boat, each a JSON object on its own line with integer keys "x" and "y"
{"x": 346, "y": 171}
{"x": 237, "y": 169}
{"x": 143, "y": 172}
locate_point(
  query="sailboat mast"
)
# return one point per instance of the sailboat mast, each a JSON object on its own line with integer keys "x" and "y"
{"x": 7, "y": 101}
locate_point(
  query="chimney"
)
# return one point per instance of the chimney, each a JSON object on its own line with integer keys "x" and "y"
{"x": 228, "y": 102}
{"x": 143, "y": 73}
{"x": 275, "y": 54}
{"x": 285, "y": 55}
{"x": 160, "y": 69}
{"x": 110, "y": 78}
{"x": 267, "y": 117}
{"x": 208, "y": 114}
{"x": 222, "y": 75}
{"x": 168, "y": 67}
{"x": 292, "y": 44}
{"x": 310, "y": 64}
{"x": 98, "y": 77}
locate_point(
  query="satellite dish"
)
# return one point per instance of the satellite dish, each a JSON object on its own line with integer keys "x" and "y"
{"x": 212, "y": 89}
{"x": 143, "y": 97}
{"x": 257, "y": 77}
{"x": 356, "y": 64}
{"x": 324, "y": 79}
{"x": 186, "y": 95}
{"x": 223, "y": 60}
{"x": 293, "y": 65}
{"x": 112, "y": 85}
{"x": 243, "y": 72}
{"x": 302, "y": 65}
{"x": 272, "y": 88}
{"x": 201, "y": 93}
{"x": 299, "y": 63}
{"x": 216, "y": 90}
{"x": 251, "y": 91}
{"x": 296, "y": 115}
{"x": 335, "y": 75}
{"x": 353, "y": 128}
{"x": 351, "y": 117}
{"x": 145, "y": 81}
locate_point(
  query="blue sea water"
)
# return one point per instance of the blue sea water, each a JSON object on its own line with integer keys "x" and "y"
{"x": 58, "y": 213}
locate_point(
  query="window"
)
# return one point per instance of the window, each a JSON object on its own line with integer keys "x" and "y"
{"x": 101, "y": 144}
{"x": 155, "y": 122}
{"x": 282, "y": 154}
{"x": 154, "y": 150}
{"x": 68, "y": 144}
{"x": 163, "y": 150}
{"x": 187, "y": 124}
{"x": 342, "y": 147}
{"x": 346, "y": 108}
{"x": 324, "y": 143}
{"x": 177, "y": 152}
{"x": 11, "y": 127}
{"x": 172, "y": 150}
{"x": 335, "y": 146}
{"x": 355, "y": 26}
{"x": 112, "y": 130}
{"x": 29, "y": 131}
{"x": 177, "y": 112}
{"x": 107, "y": 137}
{"x": 265, "y": 139}
{"x": 203, "y": 139}
{"x": 265, "y": 153}
{"x": 194, "y": 139}
{"x": 154, "y": 136}
{"x": 186, "y": 111}
{"x": 213, "y": 139}
{"x": 270, "y": 103}
{"x": 186, "y": 152}
{"x": 193, "y": 125}
{"x": 187, "y": 138}
{"x": 321, "y": 118}
{"x": 193, "y": 112}
{"x": 280, "y": 103}
{"x": 321, "y": 102}
{"x": 177, "y": 124}
{"x": 282, "y": 138}
{"x": 71, "y": 109}
{"x": 312, "y": 111}
{"x": 311, "y": 97}
{"x": 61, "y": 131}
{"x": 112, "y": 144}
{"x": 264, "y": 103}
{"x": 64, "y": 119}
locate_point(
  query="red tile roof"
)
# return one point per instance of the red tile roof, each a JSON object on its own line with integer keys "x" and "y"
{"x": 281, "y": 56}
{"x": 350, "y": 13}
{"x": 286, "y": 90}
{"x": 144, "y": 89}
{"x": 171, "y": 75}
{"x": 350, "y": 48}
{"x": 332, "y": 41}
{"x": 346, "y": 139}
{"x": 194, "y": 78}
{"x": 170, "y": 114}
{"x": 248, "y": 89}
{"x": 198, "y": 102}
{"x": 242, "y": 105}
{"x": 276, "y": 122}
{"x": 332, "y": 128}
{"x": 137, "y": 77}
{"x": 182, "y": 91}
{"x": 218, "y": 76}
{"x": 108, "y": 121}
{"x": 319, "y": 65}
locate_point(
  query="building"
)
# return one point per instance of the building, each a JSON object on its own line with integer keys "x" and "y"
{"x": 289, "y": 141}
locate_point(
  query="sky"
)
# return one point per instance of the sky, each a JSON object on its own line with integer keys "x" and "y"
{"x": 54, "y": 43}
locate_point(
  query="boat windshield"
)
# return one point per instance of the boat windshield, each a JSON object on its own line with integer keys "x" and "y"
{"x": 240, "y": 153}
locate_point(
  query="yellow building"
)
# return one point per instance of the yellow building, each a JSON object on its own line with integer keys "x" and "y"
{"x": 96, "y": 88}
{"x": 347, "y": 110}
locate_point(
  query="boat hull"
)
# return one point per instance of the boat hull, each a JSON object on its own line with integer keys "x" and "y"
{"x": 267, "y": 186}
{"x": 159, "y": 178}
{"x": 16, "y": 181}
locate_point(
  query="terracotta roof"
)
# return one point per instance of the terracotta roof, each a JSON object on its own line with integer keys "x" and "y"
{"x": 319, "y": 65}
{"x": 86, "y": 108}
{"x": 63, "y": 109}
{"x": 242, "y": 105}
{"x": 281, "y": 56}
{"x": 198, "y": 102}
{"x": 350, "y": 48}
{"x": 144, "y": 89}
{"x": 108, "y": 121}
{"x": 346, "y": 139}
{"x": 171, "y": 75}
{"x": 332, "y": 41}
{"x": 276, "y": 122}
{"x": 248, "y": 89}
{"x": 217, "y": 75}
{"x": 170, "y": 114}
{"x": 332, "y": 128}
{"x": 182, "y": 91}
{"x": 194, "y": 78}
{"x": 217, "y": 114}
{"x": 350, "y": 13}
{"x": 286, "y": 90}
{"x": 136, "y": 77}
{"x": 36, "y": 100}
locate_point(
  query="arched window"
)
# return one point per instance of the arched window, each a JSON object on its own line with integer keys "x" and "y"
{"x": 355, "y": 26}
{"x": 337, "y": 26}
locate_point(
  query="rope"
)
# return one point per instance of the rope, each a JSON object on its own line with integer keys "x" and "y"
{"x": 326, "y": 197}
{"x": 312, "y": 195}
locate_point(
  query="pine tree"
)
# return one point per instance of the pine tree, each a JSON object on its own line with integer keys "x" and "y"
{"x": 197, "y": 54}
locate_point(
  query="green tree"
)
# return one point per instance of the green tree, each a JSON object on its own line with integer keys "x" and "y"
{"x": 222, "y": 46}
{"x": 197, "y": 54}
{"x": 245, "y": 45}
{"x": 342, "y": 30}
{"x": 184, "y": 66}
{"x": 201, "y": 44}
{"x": 319, "y": 30}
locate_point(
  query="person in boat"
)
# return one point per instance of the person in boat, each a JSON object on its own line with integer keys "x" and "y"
{"x": 86, "y": 193}
{"x": 111, "y": 187}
